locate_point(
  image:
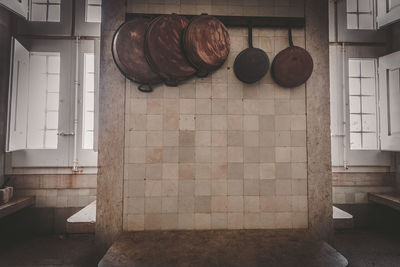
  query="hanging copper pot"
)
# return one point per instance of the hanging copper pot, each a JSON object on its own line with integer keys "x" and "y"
{"x": 128, "y": 53}
{"x": 206, "y": 43}
{"x": 292, "y": 66}
{"x": 163, "y": 49}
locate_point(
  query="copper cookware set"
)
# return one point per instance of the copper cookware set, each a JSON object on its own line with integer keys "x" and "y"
{"x": 172, "y": 49}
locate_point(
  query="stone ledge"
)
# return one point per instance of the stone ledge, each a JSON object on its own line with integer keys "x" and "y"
{"x": 84, "y": 221}
{"x": 391, "y": 200}
{"x": 221, "y": 248}
{"x": 15, "y": 205}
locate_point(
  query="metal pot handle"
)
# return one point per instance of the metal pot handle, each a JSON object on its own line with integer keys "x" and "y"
{"x": 145, "y": 88}
{"x": 250, "y": 33}
{"x": 290, "y": 37}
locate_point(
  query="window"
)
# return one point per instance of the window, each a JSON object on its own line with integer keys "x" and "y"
{"x": 388, "y": 12}
{"x": 45, "y": 10}
{"x": 88, "y": 101}
{"x": 43, "y": 100}
{"x": 93, "y": 11}
{"x": 41, "y": 127}
{"x": 389, "y": 88}
{"x": 363, "y": 104}
{"x": 360, "y": 14}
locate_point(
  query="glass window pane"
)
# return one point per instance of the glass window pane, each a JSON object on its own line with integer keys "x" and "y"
{"x": 94, "y": 2}
{"x": 52, "y": 120}
{"x": 53, "y": 83}
{"x": 53, "y": 64}
{"x": 366, "y": 22}
{"x": 354, "y": 68}
{"x": 52, "y": 101}
{"x": 355, "y": 104}
{"x": 369, "y": 123}
{"x": 364, "y": 6}
{"x": 51, "y": 140}
{"x": 355, "y": 141}
{"x": 368, "y": 86}
{"x": 352, "y": 21}
{"x": 89, "y": 102}
{"x": 54, "y": 13}
{"x": 367, "y": 68}
{"x": 355, "y": 123}
{"x": 88, "y": 140}
{"x": 354, "y": 86}
{"x": 370, "y": 140}
{"x": 351, "y": 5}
{"x": 89, "y": 121}
{"x": 38, "y": 12}
{"x": 368, "y": 104}
{"x": 93, "y": 14}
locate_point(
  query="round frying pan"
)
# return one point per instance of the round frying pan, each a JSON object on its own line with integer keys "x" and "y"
{"x": 128, "y": 54}
{"x": 252, "y": 63}
{"x": 292, "y": 66}
{"x": 206, "y": 43}
{"x": 163, "y": 49}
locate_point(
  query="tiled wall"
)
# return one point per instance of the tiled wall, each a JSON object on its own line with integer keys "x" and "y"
{"x": 214, "y": 153}
{"x": 353, "y": 188}
{"x": 58, "y": 191}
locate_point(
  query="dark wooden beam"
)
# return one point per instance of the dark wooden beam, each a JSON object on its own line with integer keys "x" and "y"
{"x": 241, "y": 21}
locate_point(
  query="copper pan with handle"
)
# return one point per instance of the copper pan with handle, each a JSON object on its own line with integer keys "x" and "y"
{"x": 292, "y": 66}
{"x": 128, "y": 54}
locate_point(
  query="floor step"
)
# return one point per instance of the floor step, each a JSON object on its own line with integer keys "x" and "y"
{"x": 342, "y": 219}
{"x": 391, "y": 200}
{"x": 83, "y": 221}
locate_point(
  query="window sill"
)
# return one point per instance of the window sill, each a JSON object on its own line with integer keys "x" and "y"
{"x": 52, "y": 170}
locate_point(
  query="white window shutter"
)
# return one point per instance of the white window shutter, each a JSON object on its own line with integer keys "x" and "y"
{"x": 388, "y": 12}
{"x": 19, "y": 92}
{"x": 389, "y": 102}
{"x": 18, "y": 7}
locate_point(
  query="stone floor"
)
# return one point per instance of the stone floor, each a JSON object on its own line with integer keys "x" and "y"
{"x": 362, "y": 248}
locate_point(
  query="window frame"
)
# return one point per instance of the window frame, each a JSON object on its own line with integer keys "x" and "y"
{"x": 355, "y": 35}
{"x": 82, "y": 27}
{"x": 340, "y": 136}
{"x": 63, "y": 155}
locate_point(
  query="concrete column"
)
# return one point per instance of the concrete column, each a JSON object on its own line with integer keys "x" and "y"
{"x": 111, "y": 131}
{"x": 5, "y": 42}
{"x": 318, "y": 120}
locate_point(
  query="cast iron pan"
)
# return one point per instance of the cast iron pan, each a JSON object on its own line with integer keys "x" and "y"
{"x": 292, "y": 66}
{"x": 128, "y": 53}
{"x": 206, "y": 43}
{"x": 252, "y": 63}
{"x": 163, "y": 49}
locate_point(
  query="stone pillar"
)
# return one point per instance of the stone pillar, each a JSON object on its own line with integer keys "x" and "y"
{"x": 111, "y": 130}
{"x": 5, "y": 41}
{"x": 318, "y": 121}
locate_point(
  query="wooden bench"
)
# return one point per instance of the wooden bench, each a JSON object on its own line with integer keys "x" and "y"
{"x": 16, "y": 204}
